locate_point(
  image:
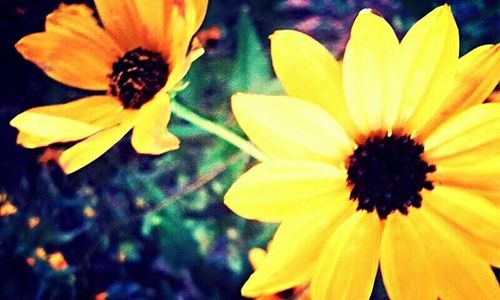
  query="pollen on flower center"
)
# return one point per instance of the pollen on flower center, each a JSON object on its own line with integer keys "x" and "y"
{"x": 387, "y": 173}
{"x": 137, "y": 76}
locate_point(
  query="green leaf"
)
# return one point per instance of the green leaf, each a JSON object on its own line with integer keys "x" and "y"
{"x": 252, "y": 69}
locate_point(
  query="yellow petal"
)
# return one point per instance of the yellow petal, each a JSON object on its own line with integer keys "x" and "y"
{"x": 475, "y": 133}
{"x": 347, "y": 265}
{"x": 150, "y": 134}
{"x": 87, "y": 110}
{"x": 155, "y": 16}
{"x": 468, "y": 214}
{"x": 57, "y": 129}
{"x": 276, "y": 190}
{"x": 122, "y": 22}
{"x": 73, "y": 50}
{"x": 32, "y": 141}
{"x": 93, "y": 147}
{"x": 458, "y": 273}
{"x": 44, "y": 125}
{"x": 256, "y": 256}
{"x": 308, "y": 71}
{"x": 78, "y": 20}
{"x": 477, "y": 76}
{"x": 284, "y": 127}
{"x": 403, "y": 261}
{"x": 294, "y": 250}
{"x": 429, "y": 56}
{"x": 480, "y": 175}
{"x": 196, "y": 11}
{"x": 370, "y": 62}
{"x": 168, "y": 32}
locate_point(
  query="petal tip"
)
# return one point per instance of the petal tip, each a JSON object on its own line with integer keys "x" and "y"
{"x": 370, "y": 11}
{"x": 278, "y": 33}
{"x": 248, "y": 290}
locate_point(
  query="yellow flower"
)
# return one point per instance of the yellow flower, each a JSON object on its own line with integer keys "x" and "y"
{"x": 389, "y": 159}
{"x": 142, "y": 52}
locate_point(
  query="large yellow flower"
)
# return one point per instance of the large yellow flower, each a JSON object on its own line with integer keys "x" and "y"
{"x": 385, "y": 160}
{"x": 142, "y": 52}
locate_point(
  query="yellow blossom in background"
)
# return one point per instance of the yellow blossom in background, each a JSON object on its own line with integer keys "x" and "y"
{"x": 89, "y": 212}
{"x": 57, "y": 261}
{"x": 7, "y": 209}
{"x": 40, "y": 253}
{"x": 142, "y": 52}
{"x": 388, "y": 160}
{"x": 33, "y": 222}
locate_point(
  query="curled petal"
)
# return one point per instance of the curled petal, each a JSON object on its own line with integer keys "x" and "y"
{"x": 150, "y": 134}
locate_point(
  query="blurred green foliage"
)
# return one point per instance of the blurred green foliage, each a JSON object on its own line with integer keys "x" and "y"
{"x": 141, "y": 227}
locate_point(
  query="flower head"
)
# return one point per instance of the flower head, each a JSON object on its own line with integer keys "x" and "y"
{"x": 388, "y": 160}
{"x": 143, "y": 51}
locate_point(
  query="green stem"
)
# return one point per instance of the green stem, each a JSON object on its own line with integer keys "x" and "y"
{"x": 218, "y": 130}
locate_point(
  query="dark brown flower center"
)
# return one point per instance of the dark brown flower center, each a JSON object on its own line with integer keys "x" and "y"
{"x": 387, "y": 173}
{"x": 137, "y": 76}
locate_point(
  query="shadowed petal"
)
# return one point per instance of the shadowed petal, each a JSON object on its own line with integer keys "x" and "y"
{"x": 403, "y": 261}
{"x": 294, "y": 250}
{"x": 472, "y": 216}
{"x": 458, "y": 273}
{"x": 93, "y": 147}
{"x": 347, "y": 265}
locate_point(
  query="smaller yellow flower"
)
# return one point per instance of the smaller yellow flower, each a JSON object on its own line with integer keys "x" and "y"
{"x": 142, "y": 52}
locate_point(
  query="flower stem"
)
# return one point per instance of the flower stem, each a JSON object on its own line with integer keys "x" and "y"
{"x": 218, "y": 130}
